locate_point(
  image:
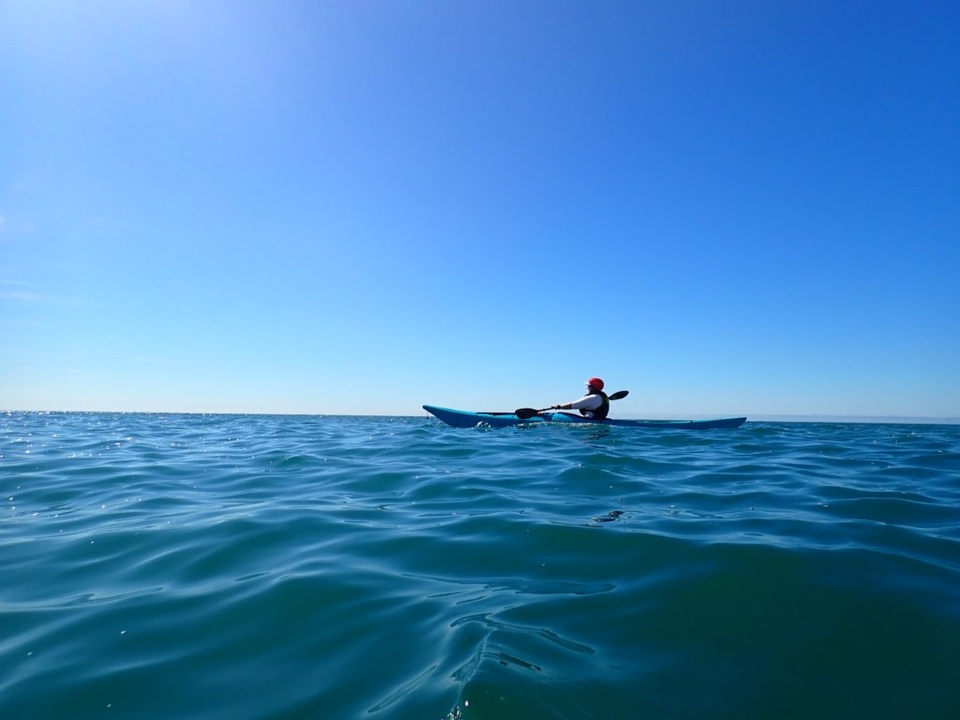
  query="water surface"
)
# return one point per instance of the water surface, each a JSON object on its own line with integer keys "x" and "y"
{"x": 225, "y": 567}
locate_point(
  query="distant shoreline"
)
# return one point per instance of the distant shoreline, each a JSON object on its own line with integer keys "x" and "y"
{"x": 875, "y": 419}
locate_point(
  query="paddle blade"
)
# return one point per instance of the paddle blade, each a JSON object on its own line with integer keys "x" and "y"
{"x": 619, "y": 395}
{"x": 526, "y": 413}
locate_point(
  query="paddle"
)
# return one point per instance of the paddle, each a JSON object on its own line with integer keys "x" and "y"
{"x": 527, "y": 413}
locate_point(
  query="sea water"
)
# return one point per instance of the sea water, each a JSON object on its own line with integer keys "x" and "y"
{"x": 231, "y": 567}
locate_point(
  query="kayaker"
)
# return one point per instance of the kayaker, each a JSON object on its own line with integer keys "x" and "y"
{"x": 595, "y": 404}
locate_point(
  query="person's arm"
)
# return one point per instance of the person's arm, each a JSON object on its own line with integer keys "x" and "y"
{"x": 587, "y": 402}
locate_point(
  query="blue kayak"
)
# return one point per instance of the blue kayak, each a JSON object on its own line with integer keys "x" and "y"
{"x": 466, "y": 419}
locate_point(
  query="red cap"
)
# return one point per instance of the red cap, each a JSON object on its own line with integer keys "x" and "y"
{"x": 596, "y": 383}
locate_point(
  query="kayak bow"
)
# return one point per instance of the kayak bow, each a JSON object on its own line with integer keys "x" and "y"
{"x": 467, "y": 419}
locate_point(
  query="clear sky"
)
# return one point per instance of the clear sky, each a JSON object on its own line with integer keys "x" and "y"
{"x": 357, "y": 206}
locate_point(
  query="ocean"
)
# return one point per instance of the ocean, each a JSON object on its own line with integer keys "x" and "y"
{"x": 226, "y": 567}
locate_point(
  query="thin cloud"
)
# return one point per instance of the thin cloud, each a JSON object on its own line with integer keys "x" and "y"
{"x": 16, "y": 291}
{"x": 10, "y": 232}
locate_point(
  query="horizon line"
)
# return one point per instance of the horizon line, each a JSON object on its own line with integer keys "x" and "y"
{"x": 763, "y": 417}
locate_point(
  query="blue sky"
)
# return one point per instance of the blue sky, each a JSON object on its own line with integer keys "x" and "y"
{"x": 741, "y": 207}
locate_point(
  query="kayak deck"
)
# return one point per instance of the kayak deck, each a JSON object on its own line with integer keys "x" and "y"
{"x": 468, "y": 419}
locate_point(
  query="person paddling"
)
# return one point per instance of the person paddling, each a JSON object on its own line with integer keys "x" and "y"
{"x": 595, "y": 404}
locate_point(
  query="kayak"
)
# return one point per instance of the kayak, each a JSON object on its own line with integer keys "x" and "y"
{"x": 467, "y": 419}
